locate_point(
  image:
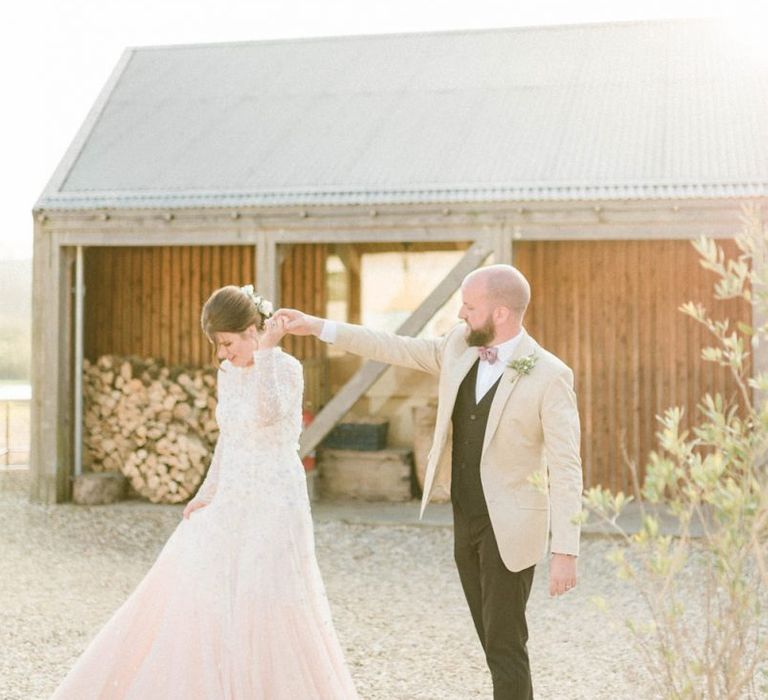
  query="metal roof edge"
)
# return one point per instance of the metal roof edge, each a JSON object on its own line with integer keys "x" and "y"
{"x": 437, "y": 32}
{"x": 430, "y": 195}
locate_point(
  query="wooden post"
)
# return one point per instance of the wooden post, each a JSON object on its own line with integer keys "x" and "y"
{"x": 267, "y": 268}
{"x": 51, "y": 407}
{"x": 365, "y": 377}
{"x": 42, "y": 458}
{"x": 502, "y": 245}
{"x": 78, "y": 361}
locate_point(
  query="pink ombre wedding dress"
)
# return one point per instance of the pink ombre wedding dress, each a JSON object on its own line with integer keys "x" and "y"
{"x": 234, "y": 607}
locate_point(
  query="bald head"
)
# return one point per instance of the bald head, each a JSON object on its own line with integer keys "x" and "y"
{"x": 502, "y": 285}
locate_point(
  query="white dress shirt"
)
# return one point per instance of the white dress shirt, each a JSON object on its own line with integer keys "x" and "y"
{"x": 487, "y": 373}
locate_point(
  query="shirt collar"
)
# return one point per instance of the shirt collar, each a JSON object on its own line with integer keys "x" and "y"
{"x": 507, "y": 348}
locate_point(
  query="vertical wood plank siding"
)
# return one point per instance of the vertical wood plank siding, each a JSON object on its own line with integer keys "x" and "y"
{"x": 146, "y": 301}
{"x": 609, "y": 309}
{"x": 302, "y": 286}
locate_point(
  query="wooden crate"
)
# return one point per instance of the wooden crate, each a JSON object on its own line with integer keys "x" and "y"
{"x": 383, "y": 475}
{"x": 369, "y": 434}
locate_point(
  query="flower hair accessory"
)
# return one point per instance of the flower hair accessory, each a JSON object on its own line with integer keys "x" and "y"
{"x": 263, "y": 306}
{"x": 522, "y": 365}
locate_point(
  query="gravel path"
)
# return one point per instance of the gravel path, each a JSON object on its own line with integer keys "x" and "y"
{"x": 396, "y": 598}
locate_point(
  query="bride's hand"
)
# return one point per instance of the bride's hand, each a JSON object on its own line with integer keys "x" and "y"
{"x": 274, "y": 330}
{"x": 191, "y": 507}
{"x": 298, "y": 323}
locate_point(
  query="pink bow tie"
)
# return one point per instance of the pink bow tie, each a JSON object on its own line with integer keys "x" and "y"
{"x": 488, "y": 354}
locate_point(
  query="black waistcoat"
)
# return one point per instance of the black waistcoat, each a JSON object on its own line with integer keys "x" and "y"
{"x": 469, "y": 421}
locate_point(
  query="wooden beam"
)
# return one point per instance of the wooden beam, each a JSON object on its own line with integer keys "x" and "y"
{"x": 333, "y": 232}
{"x": 502, "y": 249}
{"x": 349, "y": 256}
{"x": 267, "y": 270}
{"x": 367, "y": 375}
{"x": 51, "y": 419}
{"x": 255, "y": 218}
{"x": 407, "y": 246}
{"x": 40, "y": 438}
{"x": 65, "y": 413}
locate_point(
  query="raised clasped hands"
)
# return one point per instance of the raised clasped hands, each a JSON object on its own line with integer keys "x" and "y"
{"x": 274, "y": 330}
{"x": 299, "y": 323}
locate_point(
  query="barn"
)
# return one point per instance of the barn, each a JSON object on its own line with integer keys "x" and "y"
{"x": 588, "y": 156}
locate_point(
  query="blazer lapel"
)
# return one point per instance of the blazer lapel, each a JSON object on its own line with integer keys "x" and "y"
{"x": 446, "y": 402}
{"x": 449, "y": 391}
{"x": 460, "y": 371}
{"x": 509, "y": 380}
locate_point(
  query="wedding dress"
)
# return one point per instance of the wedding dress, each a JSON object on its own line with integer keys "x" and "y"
{"x": 234, "y": 607}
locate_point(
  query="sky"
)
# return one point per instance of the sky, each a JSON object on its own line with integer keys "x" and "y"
{"x": 56, "y": 55}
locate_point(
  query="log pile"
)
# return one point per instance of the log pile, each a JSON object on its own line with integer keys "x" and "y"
{"x": 153, "y": 423}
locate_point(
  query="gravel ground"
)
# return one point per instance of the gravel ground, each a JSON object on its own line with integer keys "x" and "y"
{"x": 396, "y": 599}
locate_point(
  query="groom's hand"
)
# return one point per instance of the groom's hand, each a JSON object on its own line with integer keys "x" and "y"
{"x": 298, "y": 323}
{"x": 562, "y": 573}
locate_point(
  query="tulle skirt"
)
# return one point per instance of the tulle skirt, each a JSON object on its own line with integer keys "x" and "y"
{"x": 233, "y": 608}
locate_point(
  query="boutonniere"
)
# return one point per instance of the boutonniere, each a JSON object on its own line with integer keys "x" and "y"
{"x": 522, "y": 365}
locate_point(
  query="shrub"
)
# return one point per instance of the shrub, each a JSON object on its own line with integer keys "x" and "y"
{"x": 711, "y": 643}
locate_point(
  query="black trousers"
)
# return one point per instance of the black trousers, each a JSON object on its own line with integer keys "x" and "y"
{"x": 497, "y": 598}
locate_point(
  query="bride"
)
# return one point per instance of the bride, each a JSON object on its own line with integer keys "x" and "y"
{"x": 234, "y": 606}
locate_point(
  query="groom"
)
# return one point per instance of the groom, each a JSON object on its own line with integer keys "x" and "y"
{"x": 507, "y": 431}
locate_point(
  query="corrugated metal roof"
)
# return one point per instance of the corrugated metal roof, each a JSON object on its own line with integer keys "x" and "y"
{"x": 633, "y": 110}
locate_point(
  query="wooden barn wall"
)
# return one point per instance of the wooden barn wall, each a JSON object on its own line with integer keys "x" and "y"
{"x": 302, "y": 286}
{"x": 610, "y": 310}
{"x": 146, "y": 301}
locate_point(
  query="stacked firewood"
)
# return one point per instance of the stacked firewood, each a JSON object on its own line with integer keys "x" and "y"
{"x": 153, "y": 423}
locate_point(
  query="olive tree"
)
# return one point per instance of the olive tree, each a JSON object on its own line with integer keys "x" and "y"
{"x": 710, "y": 639}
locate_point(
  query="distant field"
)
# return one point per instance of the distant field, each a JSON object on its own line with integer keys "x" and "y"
{"x": 15, "y": 319}
{"x": 15, "y": 344}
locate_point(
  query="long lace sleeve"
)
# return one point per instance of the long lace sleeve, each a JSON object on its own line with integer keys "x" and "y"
{"x": 207, "y": 489}
{"x": 281, "y": 383}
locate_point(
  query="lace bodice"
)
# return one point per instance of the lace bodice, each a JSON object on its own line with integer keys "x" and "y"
{"x": 259, "y": 417}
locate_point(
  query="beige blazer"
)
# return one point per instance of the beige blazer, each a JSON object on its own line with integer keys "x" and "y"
{"x": 532, "y": 436}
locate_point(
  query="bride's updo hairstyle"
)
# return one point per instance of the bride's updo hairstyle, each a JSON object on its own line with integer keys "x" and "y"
{"x": 233, "y": 309}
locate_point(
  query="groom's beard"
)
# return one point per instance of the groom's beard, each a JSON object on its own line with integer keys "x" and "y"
{"x": 481, "y": 336}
